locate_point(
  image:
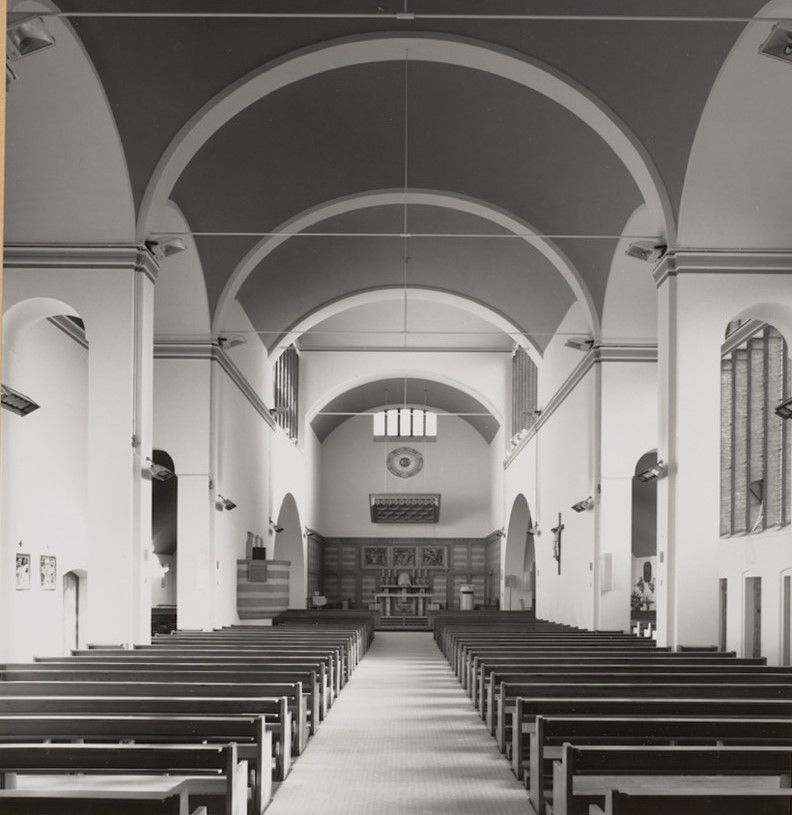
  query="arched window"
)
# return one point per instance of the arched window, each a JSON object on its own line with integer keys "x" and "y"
{"x": 754, "y": 441}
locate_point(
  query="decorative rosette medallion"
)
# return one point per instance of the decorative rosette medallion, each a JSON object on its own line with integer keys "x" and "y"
{"x": 405, "y": 462}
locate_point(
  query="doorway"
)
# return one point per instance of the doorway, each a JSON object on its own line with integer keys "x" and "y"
{"x": 71, "y": 612}
{"x": 753, "y": 617}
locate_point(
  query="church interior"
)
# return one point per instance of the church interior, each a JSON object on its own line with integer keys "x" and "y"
{"x": 382, "y": 324}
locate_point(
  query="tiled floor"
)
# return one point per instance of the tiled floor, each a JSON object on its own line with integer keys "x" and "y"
{"x": 402, "y": 739}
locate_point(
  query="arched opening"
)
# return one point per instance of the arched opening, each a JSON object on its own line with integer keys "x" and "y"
{"x": 74, "y": 585}
{"x": 519, "y": 565}
{"x": 45, "y": 357}
{"x": 644, "y": 541}
{"x": 289, "y": 546}
{"x": 164, "y": 546}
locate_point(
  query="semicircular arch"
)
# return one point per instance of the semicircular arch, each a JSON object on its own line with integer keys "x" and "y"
{"x": 378, "y": 198}
{"x": 389, "y": 47}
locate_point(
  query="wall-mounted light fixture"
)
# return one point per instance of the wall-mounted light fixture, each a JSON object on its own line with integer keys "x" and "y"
{"x": 534, "y": 530}
{"x": 650, "y": 251}
{"x": 500, "y": 533}
{"x": 582, "y": 506}
{"x": 278, "y": 411}
{"x": 231, "y": 342}
{"x": 784, "y": 409}
{"x": 779, "y": 42}
{"x": 659, "y": 470}
{"x": 17, "y": 402}
{"x": 157, "y": 471}
{"x": 580, "y": 343}
{"x": 224, "y": 503}
{"x": 163, "y": 248}
{"x": 274, "y": 527}
{"x": 27, "y": 36}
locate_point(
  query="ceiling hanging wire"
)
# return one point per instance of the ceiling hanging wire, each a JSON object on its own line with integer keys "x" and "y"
{"x": 405, "y": 232}
{"x": 416, "y": 16}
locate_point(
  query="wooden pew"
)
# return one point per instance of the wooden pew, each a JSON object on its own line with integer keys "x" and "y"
{"x": 254, "y": 741}
{"x": 132, "y": 660}
{"x": 643, "y": 681}
{"x": 505, "y": 701}
{"x": 551, "y": 732}
{"x": 192, "y": 653}
{"x": 590, "y": 649}
{"x": 73, "y": 673}
{"x": 166, "y": 798}
{"x": 584, "y": 774}
{"x": 655, "y": 663}
{"x": 526, "y": 710}
{"x": 341, "y": 651}
{"x": 291, "y": 691}
{"x": 222, "y": 773}
{"x": 274, "y": 710}
{"x": 696, "y": 802}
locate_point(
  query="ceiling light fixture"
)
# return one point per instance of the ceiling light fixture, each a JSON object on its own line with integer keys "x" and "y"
{"x": 26, "y": 37}
{"x": 779, "y": 42}
{"x": 17, "y": 402}
{"x": 162, "y": 248}
{"x": 659, "y": 470}
{"x": 582, "y": 506}
{"x": 649, "y": 251}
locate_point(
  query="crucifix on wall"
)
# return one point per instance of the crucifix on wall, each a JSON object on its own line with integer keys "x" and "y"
{"x": 557, "y": 530}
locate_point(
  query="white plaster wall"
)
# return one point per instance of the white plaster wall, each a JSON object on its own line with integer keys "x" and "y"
{"x": 44, "y": 481}
{"x": 182, "y": 427}
{"x": 181, "y": 307}
{"x": 558, "y": 360}
{"x": 629, "y": 429}
{"x": 695, "y": 309}
{"x": 457, "y": 465}
{"x": 115, "y": 304}
{"x": 558, "y": 467}
{"x": 629, "y": 312}
{"x": 737, "y": 191}
{"x": 241, "y": 474}
{"x": 65, "y": 169}
{"x": 766, "y": 555}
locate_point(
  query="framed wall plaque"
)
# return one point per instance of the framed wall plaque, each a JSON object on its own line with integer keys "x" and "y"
{"x": 374, "y": 557}
{"x": 405, "y": 557}
{"x": 22, "y": 571}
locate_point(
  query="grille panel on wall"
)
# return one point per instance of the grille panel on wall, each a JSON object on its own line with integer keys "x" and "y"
{"x": 405, "y": 509}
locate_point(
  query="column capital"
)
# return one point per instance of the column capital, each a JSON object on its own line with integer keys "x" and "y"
{"x": 81, "y": 256}
{"x": 717, "y": 261}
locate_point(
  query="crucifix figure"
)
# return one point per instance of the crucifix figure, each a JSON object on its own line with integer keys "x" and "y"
{"x": 557, "y": 530}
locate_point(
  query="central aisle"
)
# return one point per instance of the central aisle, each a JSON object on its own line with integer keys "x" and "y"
{"x": 402, "y": 739}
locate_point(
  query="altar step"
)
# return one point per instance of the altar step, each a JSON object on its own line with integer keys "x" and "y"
{"x": 395, "y": 623}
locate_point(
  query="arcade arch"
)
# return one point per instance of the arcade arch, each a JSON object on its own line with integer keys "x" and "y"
{"x": 519, "y": 563}
{"x": 290, "y": 545}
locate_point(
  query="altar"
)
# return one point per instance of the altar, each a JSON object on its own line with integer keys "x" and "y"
{"x": 404, "y": 593}
{"x": 403, "y": 603}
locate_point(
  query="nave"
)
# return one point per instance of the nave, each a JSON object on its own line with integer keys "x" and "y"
{"x": 402, "y": 738}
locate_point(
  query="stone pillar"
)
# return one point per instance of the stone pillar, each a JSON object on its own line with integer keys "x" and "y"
{"x": 120, "y": 390}
{"x": 690, "y": 333}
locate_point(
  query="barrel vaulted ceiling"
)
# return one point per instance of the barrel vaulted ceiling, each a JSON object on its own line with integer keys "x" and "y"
{"x": 483, "y": 156}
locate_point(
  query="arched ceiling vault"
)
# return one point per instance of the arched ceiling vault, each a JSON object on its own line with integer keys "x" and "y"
{"x": 404, "y": 391}
{"x": 567, "y": 124}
